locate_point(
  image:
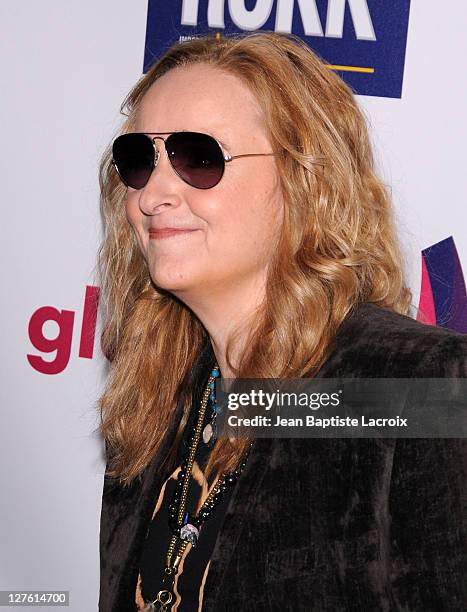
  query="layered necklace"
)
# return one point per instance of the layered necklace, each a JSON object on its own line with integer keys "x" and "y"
{"x": 185, "y": 527}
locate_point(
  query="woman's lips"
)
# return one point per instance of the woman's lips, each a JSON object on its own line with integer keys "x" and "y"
{"x": 168, "y": 232}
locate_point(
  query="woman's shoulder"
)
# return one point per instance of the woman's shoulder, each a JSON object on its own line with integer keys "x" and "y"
{"x": 375, "y": 319}
{"x": 375, "y": 341}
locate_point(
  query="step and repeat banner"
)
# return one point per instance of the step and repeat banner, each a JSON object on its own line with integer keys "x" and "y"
{"x": 66, "y": 68}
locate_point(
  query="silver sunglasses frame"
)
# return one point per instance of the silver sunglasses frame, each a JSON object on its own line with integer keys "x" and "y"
{"x": 158, "y": 135}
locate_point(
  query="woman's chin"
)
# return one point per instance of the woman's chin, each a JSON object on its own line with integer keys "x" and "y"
{"x": 174, "y": 282}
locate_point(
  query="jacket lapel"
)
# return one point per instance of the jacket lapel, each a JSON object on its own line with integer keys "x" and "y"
{"x": 235, "y": 518}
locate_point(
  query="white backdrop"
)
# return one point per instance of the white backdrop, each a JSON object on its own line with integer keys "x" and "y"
{"x": 66, "y": 67}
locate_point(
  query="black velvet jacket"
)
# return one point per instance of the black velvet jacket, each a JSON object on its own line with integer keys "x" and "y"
{"x": 327, "y": 525}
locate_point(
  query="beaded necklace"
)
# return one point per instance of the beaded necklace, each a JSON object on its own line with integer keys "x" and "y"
{"x": 185, "y": 527}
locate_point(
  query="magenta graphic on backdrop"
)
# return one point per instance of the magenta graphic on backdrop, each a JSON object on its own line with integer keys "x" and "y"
{"x": 363, "y": 40}
{"x": 60, "y": 346}
{"x": 443, "y": 299}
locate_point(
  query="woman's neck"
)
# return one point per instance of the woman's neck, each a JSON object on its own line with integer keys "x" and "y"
{"x": 224, "y": 313}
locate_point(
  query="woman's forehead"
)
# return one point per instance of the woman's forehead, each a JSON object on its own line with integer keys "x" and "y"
{"x": 199, "y": 98}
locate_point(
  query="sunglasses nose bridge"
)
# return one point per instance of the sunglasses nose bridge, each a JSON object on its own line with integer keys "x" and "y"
{"x": 157, "y": 153}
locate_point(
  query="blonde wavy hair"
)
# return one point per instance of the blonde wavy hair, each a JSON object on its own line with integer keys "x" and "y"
{"x": 337, "y": 247}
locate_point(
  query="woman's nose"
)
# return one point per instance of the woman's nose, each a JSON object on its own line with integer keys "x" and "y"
{"x": 162, "y": 187}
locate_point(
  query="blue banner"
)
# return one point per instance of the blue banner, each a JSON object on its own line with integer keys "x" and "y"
{"x": 364, "y": 41}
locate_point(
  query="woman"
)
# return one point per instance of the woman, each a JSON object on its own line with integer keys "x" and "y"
{"x": 247, "y": 236}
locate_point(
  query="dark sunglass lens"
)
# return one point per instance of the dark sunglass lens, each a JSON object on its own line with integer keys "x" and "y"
{"x": 133, "y": 155}
{"x": 197, "y": 158}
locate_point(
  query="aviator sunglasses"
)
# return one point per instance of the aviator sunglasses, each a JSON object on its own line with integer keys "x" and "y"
{"x": 198, "y": 159}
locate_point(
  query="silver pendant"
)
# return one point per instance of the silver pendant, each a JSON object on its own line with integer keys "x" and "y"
{"x": 190, "y": 533}
{"x": 208, "y": 432}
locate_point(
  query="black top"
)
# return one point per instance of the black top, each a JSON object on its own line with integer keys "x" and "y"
{"x": 189, "y": 581}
